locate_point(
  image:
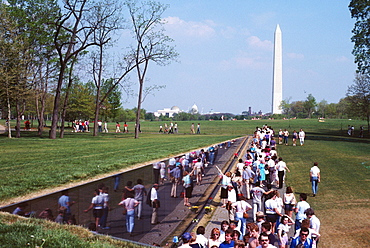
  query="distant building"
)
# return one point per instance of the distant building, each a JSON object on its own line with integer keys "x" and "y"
{"x": 194, "y": 110}
{"x": 169, "y": 112}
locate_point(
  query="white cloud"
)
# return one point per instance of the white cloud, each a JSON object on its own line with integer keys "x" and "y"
{"x": 342, "y": 59}
{"x": 245, "y": 61}
{"x": 176, "y": 26}
{"x": 295, "y": 56}
{"x": 257, "y": 43}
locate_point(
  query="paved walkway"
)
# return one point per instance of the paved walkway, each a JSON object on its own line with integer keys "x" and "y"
{"x": 172, "y": 211}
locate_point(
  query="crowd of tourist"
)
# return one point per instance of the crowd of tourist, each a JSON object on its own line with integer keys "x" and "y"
{"x": 258, "y": 176}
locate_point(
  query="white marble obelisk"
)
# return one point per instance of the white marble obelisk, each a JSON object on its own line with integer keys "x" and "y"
{"x": 277, "y": 84}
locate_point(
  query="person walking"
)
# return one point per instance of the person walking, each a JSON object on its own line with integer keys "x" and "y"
{"x": 103, "y": 220}
{"x": 155, "y": 203}
{"x": 248, "y": 177}
{"x": 105, "y": 127}
{"x": 118, "y": 127}
{"x": 97, "y": 204}
{"x": 300, "y": 209}
{"x": 139, "y": 196}
{"x": 175, "y": 177}
{"x": 129, "y": 204}
{"x": 281, "y": 167}
{"x": 315, "y": 178}
{"x": 257, "y": 193}
{"x": 289, "y": 201}
{"x": 65, "y": 202}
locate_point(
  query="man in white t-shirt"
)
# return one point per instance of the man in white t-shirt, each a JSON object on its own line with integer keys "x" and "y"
{"x": 315, "y": 178}
{"x": 314, "y": 221}
{"x": 300, "y": 209}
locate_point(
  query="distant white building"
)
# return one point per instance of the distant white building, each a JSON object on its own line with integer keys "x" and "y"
{"x": 169, "y": 112}
{"x": 194, "y": 109}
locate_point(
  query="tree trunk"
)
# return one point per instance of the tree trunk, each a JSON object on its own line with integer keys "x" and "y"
{"x": 9, "y": 118}
{"x": 97, "y": 110}
{"x": 40, "y": 113}
{"x": 141, "y": 82}
{"x": 54, "y": 117}
{"x": 64, "y": 111}
{"x": 18, "y": 124}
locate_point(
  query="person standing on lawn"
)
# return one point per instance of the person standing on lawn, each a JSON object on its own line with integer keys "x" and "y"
{"x": 301, "y": 136}
{"x": 286, "y": 136}
{"x": 315, "y": 178}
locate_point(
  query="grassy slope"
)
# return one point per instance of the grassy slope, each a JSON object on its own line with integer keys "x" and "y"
{"x": 17, "y": 231}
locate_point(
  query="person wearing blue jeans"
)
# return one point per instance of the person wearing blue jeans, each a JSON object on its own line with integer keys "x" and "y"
{"x": 315, "y": 178}
{"x": 129, "y": 204}
{"x": 241, "y": 207}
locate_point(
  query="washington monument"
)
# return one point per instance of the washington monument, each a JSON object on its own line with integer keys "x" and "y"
{"x": 277, "y": 84}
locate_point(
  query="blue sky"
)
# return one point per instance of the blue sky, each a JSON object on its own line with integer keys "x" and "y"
{"x": 226, "y": 54}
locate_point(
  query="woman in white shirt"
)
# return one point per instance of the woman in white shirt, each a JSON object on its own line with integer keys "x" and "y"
{"x": 289, "y": 201}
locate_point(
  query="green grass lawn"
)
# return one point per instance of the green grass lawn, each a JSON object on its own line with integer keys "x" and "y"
{"x": 342, "y": 204}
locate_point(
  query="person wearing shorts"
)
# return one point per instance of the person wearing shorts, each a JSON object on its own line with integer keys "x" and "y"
{"x": 272, "y": 212}
{"x": 97, "y": 204}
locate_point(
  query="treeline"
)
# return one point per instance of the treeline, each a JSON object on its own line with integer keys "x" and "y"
{"x": 62, "y": 60}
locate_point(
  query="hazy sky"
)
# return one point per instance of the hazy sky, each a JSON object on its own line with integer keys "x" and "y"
{"x": 226, "y": 54}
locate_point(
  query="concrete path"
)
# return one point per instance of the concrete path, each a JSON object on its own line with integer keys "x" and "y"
{"x": 172, "y": 211}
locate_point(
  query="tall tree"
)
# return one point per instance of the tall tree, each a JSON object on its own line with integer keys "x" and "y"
{"x": 310, "y": 105}
{"x": 286, "y": 106}
{"x": 151, "y": 44}
{"x": 358, "y": 96}
{"x": 360, "y": 10}
{"x": 33, "y": 19}
{"x": 322, "y": 107}
{"x": 15, "y": 59}
{"x": 75, "y": 32}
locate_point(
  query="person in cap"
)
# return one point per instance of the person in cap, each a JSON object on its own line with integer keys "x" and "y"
{"x": 186, "y": 238}
{"x": 260, "y": 218}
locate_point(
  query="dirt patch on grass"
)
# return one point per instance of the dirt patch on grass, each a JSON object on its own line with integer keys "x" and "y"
{"x": 343, "y": 228}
